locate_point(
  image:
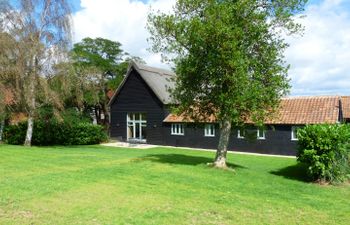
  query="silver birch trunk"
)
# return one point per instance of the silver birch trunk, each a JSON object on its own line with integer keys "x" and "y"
{"x": 29, "y": 135}
{"x": 220, "y": 158}
{"x": 31, "y": 107}
{"x": 2, "y": 126}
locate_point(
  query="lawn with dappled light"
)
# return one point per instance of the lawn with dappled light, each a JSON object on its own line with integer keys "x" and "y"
{"x": 107, "y": 185}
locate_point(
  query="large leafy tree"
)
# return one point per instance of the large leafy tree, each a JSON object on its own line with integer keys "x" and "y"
{"x": 100, "y": 65}
{"x": 42, "y": 32}
{"x": 228, "y": 56}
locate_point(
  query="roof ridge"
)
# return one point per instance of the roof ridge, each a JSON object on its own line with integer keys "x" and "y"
{"x": 152, "y": 69}
{"x": 310, "y": 97}
{"x": 160, "y": 73}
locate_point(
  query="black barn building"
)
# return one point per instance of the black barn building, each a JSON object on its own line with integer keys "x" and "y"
{"x": 140, "y": 112}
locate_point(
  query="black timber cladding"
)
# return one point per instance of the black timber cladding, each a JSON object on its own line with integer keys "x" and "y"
{"x": 136, "y": 97}
{"x": 277, "y": 139}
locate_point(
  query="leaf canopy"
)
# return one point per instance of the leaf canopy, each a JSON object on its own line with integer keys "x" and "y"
{"x": 228, "y": 55}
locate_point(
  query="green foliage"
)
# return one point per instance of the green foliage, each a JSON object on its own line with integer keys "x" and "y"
{"x": 228, "y": 55}
{"x": 100, "y": 53}
{"x": 325, "y": 149}
{"x": 100, "y": 65}
{"x": 15, "y": 134}
{"x": 56, "y": 133}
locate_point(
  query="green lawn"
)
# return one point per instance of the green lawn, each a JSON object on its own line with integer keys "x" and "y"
{"x": 105, "y": 185}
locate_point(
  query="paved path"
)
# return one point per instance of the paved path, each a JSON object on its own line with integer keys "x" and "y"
{"x": 147, "y": 146}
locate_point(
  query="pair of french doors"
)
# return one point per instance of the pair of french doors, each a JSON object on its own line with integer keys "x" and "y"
{"x": 136, "y": 129}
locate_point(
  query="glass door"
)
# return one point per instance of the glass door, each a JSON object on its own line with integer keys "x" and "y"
{"x": 136, "y": 129}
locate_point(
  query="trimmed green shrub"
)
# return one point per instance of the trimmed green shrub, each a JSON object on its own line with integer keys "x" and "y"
{"x": 15, "y": 134}
{"x": 52, "y": 132}
{"x": 325, "y": 150}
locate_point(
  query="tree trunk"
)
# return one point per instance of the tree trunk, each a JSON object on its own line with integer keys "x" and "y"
{"x": 220, "y": 158}
{"x": 31, "y": 109}
{"x": 29, "y": 135}
{"x": 97, "y": 114}
{"x": 2, "y": 126}
{"x": 106, "y": 114}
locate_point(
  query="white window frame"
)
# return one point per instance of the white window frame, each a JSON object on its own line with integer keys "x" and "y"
{"x": 131, "y": 121}
{"x": 209, "y": 130}
{"x": 177, "y": 129}
{"x": 294, "y": 136}
{"x": 239, "y": 135}
{"x": 258, "y": 134}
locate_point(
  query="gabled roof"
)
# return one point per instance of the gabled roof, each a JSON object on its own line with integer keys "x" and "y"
{"x": 345, "y": 105}
{"x": 294, "y": 110}
{"x": 159, "y": 80}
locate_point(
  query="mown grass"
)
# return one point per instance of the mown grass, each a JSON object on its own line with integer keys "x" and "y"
{"x": 105, "y": 185}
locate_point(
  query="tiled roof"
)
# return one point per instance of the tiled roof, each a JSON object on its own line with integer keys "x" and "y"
{"x": 345, "y": 103}
{"x": 172, "y": 118}
{"x": 294, "y": 110}
{"x": 307, "y": 110}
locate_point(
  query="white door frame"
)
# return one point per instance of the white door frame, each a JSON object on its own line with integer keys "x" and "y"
{"x": 132, "y": 121}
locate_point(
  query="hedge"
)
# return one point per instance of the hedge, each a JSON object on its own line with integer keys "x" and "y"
{"x": 325, "y": 151}
{"x": 56, "y": 133}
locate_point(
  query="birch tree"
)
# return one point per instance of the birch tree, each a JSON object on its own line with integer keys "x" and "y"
{"x": 42, "y": 29}
{"x": 228, "y": 57}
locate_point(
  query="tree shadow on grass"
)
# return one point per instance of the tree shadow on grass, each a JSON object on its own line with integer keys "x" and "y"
{"x": 181, "y": 159}
{"x": 295, "y": 172}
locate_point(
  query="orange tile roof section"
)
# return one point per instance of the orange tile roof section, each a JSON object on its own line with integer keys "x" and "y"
{"x": 294, "y": 110}
{"x": 345, "y": 104}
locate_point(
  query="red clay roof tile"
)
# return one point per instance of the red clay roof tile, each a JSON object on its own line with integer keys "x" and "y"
{"x": 294, "y": 110}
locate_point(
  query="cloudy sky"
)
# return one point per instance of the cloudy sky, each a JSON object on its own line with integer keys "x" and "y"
{"x": 320, "y": 59}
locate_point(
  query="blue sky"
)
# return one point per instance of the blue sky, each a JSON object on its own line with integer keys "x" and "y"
{"x": 320, "y": 60}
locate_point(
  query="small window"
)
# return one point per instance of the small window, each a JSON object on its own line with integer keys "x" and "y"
{"x": 295, "y": 133}
{"x": 209, "y": 130}
{"x": 177, "y": 129}
{"x": 240, "y": 133}
{"x": 260, "y": 134}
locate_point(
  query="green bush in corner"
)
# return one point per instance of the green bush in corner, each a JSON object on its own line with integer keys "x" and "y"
{"x": 325, "y": 149}
{"x": 56, "y": 133}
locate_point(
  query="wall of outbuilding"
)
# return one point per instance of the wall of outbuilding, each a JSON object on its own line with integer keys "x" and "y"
{"x": 135, "y": 96}
{"x": 277, "y": 139}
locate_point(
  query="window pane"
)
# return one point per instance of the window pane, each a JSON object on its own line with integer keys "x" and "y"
{"x": 144, "y": 132}
{"x": 130, "y": 131}
{"x": 260, "y": 133}
{"x": 295, "y": 133}
{"x": 241, "y": 133}
{"x": 137, "y": 130}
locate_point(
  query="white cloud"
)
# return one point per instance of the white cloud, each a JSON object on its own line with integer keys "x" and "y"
{"x": 123, "y": 21}
{"x": 320, "y": 59}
